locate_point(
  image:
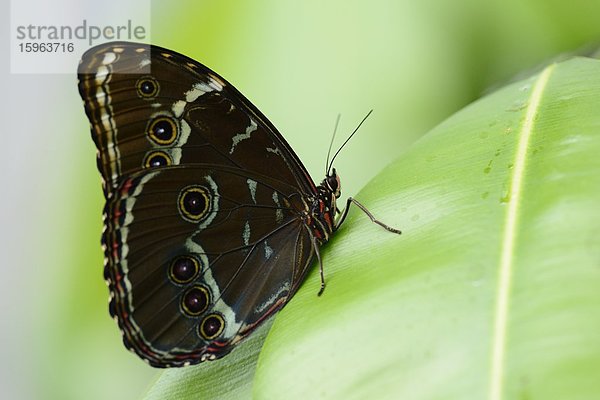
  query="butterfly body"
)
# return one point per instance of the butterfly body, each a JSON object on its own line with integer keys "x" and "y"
{"x": 211, "y": 220}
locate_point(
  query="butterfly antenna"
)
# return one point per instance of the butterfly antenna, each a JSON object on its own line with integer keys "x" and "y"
{"x": 337, "y": 122}
{"x": 343, "y": 144}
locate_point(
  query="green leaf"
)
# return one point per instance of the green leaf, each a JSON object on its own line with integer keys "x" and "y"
{"x": 227, "y": 378}
{"x": 493, "y": 290}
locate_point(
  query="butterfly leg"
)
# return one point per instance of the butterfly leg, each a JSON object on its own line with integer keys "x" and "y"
{"x": 316, "y": 247}
{"x": 364, "y": 209}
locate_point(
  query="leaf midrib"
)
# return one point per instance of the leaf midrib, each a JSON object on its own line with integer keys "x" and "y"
{"x": 509, "y": 238}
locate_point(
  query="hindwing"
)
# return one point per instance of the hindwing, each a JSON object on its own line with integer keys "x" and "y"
{"x": 195, "y": 263}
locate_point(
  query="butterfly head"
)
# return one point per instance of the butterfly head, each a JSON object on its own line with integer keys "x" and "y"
{"x": 332, "y": 183}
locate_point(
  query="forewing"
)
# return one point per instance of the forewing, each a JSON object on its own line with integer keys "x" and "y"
{"x": 150, "y": 107}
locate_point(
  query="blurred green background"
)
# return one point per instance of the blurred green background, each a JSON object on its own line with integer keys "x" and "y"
{"x": 301, "y": 63}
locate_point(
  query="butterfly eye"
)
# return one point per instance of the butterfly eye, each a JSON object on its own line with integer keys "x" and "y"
{"x": 195, "y": 301}
{"x": 162, "y": 131}
{"x": 211, "y": 326}
{"x": 157, "y": 159}
{"x": 147, "y": 87}
{"x": 184, "y": 269}
{"x": 194, "y": 203}
{"x": 332, "y": 183}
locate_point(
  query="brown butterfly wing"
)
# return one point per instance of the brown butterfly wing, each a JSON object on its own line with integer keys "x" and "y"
{"x": 205, "y": 234}
{"x": 131, "y": 90}
{"x": 249, "y": 248}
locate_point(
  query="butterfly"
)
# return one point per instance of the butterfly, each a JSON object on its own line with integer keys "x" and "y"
{"x": 211, "y": 221}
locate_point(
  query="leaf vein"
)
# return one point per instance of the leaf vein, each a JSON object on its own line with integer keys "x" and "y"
{"x": 509, "y": 238}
